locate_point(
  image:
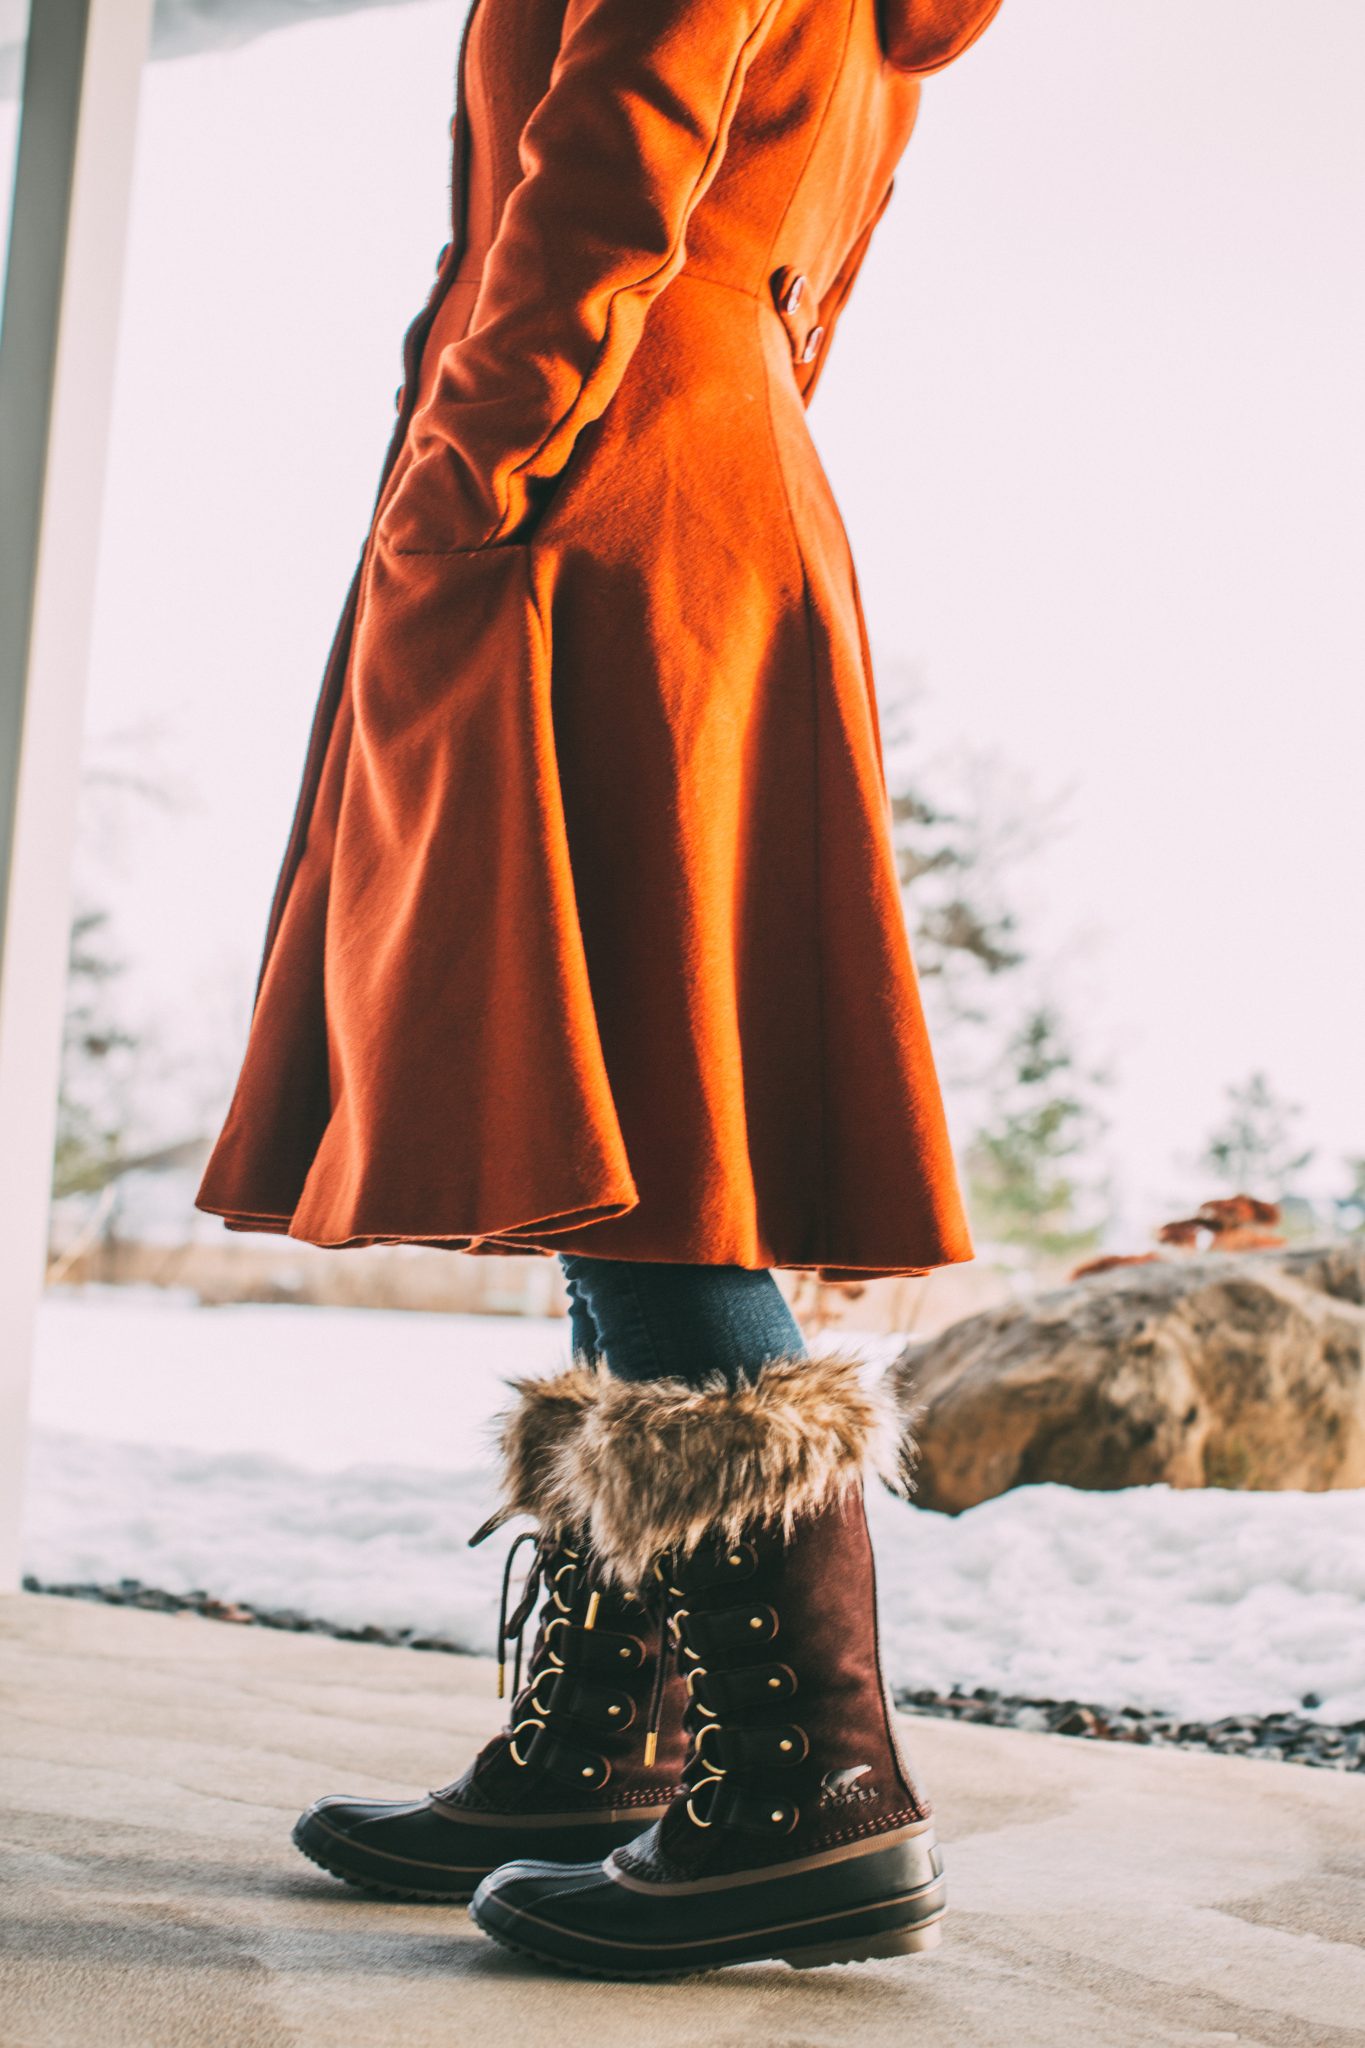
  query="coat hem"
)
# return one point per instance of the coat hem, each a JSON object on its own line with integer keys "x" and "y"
{"x": 537, "y": 1242}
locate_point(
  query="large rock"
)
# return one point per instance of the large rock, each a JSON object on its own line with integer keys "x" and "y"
{"x": 1241, "y": 1370}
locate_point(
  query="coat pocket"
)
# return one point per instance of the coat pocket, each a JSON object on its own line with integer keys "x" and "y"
{"x": 443, "y": 638}
{"x": 470, "y": 1092}
{"x": 437, "y": 506}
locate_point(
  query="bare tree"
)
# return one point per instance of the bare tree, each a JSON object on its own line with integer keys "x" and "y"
{"x": 111, "y": 1113}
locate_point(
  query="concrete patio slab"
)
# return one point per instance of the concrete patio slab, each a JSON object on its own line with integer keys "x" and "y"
{"x": 153, "y": 1765}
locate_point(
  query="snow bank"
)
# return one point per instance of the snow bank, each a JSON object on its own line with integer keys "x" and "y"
{"x": 1196, "y": 1603}
{"x": 334, "y": 1461}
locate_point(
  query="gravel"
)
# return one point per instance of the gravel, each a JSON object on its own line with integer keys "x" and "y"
{"x": 1278, "y": 1738}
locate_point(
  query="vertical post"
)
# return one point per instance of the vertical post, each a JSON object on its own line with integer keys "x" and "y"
{"x": 71, "y": 193}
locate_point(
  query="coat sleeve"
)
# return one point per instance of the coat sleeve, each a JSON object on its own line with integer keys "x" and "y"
{"x": 923, "y": 35}
{"x": 615, "y": 157}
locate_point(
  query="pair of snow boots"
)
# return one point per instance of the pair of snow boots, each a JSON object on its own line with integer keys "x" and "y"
{"x": 699, "y": 1766}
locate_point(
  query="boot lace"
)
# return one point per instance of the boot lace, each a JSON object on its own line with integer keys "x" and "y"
{"x": 568, "y": 1688}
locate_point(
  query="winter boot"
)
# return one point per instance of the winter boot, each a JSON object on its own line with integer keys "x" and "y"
{"x": 797, "y": 1833}
{"x": 594, "y": 1742}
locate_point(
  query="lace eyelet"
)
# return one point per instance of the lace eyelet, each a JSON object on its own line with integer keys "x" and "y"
{"x": 675, "y": 1619}
{"x": 565, "y": 1607}
{"x": 529, "y": 1722}
{"x": 691, "y": 1810}
{"x": 699, "y": 1748}
{"x": 700, "y": 1705}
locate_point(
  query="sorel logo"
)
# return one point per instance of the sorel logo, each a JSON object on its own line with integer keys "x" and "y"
{"x": 841, "y": 1788}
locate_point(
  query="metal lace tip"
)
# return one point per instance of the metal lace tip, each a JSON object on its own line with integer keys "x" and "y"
{"x": 651, "y": 1748}
{"x": 590, "y": 1618}
{"x": 502, "y": 1679}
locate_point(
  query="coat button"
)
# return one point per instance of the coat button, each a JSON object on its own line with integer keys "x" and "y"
{"x": 796, "y": 291}
{"x": 445, "y": 251}
{"x": 812, "y": 347}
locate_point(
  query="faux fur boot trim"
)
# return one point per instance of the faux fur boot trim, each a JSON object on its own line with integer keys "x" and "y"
{"x": 657, "y": 1465}
{"x": 534, "y": 1439}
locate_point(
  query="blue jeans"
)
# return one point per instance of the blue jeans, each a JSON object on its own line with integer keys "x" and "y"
{"x": 677, "y": 1322}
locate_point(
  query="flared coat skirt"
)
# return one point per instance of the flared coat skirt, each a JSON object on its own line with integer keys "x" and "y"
{"x": 591, "y": 937}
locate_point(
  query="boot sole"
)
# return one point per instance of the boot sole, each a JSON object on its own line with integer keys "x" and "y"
{"x": 871, "y": 1948}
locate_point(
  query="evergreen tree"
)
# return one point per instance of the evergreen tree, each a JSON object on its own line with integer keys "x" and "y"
{"x": 1024, "y": 1166}
{"x": 960, "y": 826}
{"x": 1255, "y": 1150}
{"x": 953, "y": 923}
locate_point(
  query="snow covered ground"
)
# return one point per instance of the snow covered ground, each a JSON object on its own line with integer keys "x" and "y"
{"x": 335, "y": 1461}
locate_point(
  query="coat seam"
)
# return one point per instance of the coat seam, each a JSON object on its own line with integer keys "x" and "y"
{"x": 818, "y": 130}
{"x": 822, "y": 1230}
{"x": 822, "y": 1147}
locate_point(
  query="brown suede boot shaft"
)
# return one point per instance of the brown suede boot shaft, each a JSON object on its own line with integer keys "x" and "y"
{"x": 794, "y": 1753}
{"x": 737, "y": 1516}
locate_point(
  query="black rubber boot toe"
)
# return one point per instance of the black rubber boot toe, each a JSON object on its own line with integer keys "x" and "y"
{"x": 403, "y": 1848}
{"x": 421, "y": 1849}
{"x": 883, "y": 1900}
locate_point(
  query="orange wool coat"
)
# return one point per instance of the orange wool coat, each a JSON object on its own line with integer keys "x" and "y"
{"x": 588, "y": 935}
